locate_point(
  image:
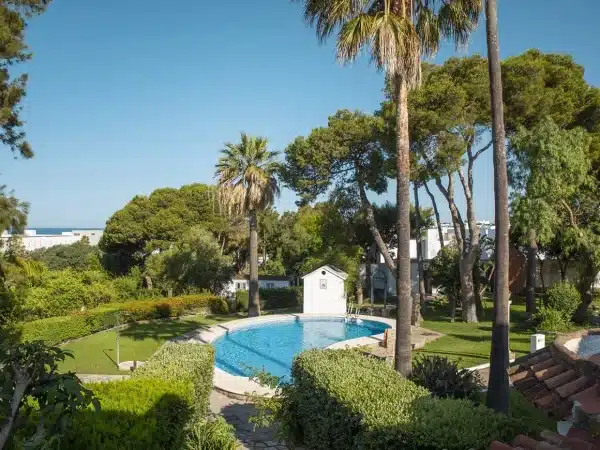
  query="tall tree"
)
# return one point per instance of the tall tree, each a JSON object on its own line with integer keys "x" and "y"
{"x": 498, "y": 390}
{"x": 247, "y": 184}
{"x": 397, "y": 33}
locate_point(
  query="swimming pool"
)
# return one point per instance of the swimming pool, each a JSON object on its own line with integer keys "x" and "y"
{"x": 272, "y": 346}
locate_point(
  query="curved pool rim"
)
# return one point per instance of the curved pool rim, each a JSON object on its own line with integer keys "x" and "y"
{"x": 238, "y": 386}
{"x": 568, "y": 344}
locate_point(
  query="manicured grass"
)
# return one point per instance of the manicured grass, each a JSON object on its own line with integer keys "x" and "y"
{"x": 470, "y": 343}
{"x": 96, "y": 354}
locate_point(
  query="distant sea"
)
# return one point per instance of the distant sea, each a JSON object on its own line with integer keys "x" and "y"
{"x": 59, "y": 230}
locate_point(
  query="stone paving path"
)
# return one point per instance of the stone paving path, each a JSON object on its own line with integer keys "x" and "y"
{"x": 237, "y": 413}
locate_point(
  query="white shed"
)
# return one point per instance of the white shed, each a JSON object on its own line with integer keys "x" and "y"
{"x": 324, "y": 291}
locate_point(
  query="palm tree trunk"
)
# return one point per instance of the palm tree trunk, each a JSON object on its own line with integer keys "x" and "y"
{"x": 420, "y": 269}
{"x": 358, "y": 287}
{"x": 531, "y": 270}
{"x": 437, "y": 215}
{"x": 402, "y": 360}
{"x": 498, "y": 389}
{"x": 254, "y": 300}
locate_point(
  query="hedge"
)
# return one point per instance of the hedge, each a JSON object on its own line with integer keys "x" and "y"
{"x": 149, "y": 414}
{"x": 273, "y": 298}
{"x": 55, "y": 330}
{"x": 342, "y": 399}
{"x": 183, "y": 361}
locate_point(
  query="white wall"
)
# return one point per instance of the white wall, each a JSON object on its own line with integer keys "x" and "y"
{"x": 32, "y": 241}
{"x": 239, "y": 284}
{"x": 331, "y": 300}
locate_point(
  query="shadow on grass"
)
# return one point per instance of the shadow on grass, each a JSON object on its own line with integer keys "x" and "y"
{"x": 164, "y": 329}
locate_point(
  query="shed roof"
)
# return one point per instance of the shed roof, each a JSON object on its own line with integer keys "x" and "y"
{"x": 331, "y": 269}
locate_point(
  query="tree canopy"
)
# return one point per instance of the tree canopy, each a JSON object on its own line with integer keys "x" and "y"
{"x": 154, "y": 222}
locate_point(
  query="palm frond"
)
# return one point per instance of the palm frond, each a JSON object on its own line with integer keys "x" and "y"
{"x": 458, "y": 19}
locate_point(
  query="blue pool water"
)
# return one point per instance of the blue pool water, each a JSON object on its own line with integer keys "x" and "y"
{"x": 272, "y": 346}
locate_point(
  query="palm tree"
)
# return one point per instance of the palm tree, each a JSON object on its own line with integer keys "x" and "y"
{"x": 397, "y": 34}
{"x": 498, "y": 390}
{"x": 247, "y": 183}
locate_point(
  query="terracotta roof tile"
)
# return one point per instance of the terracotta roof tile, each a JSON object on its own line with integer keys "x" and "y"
{"x": 550, "y": 372}
{"x": 561, "y": 379}
{"x": 573, "y": 387}
{"x": 549, "y": 401}
{"x": 544, "y": 365}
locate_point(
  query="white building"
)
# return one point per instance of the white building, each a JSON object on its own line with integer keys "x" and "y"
{"x": 241, "y": 282}
{"x": 324, "y": 291}
{"x": 33, "y": 241}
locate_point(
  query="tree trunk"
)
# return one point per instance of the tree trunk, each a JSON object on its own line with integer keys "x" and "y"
{"x": 467, "y": 290}
{"x": 369, "y": 274}
{"x": 370, "y": 218}
{"x": 420, "y": 268}
{"x": 402, "y": 360}
{"x": 586, "y": 283}
{"x": 437, "y": 215}
{"x": 531, "y": 272}
{"x": 541, "y": 263}
{"x": 254, "y": 300}
{"x": 22, "y": 383}
{"x": 358, "y": 288}
{"x": 452, "y": 300}
{"x": 563, "y": 265}
{"x": 477, "y": 288}
{"x": 498, "y": 388}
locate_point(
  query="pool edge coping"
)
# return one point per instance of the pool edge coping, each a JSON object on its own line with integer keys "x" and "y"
{"x": 242, "y": 387}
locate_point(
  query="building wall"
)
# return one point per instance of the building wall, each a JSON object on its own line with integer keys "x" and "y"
{"x": 32, "y": 241}
{"x": 328, "y": 300}
{"x": 240, "y": 284}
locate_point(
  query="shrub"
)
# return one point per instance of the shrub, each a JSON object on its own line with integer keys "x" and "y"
{"x": 55, "y": 330}
{"x": 443, "y": 378}
{"x": 341, "y": 400}
{"x": 563, "y": 297}
{"x": 549, "y": 319}
{"x": 148, "y": 414}
{"x": 211, "y": 435}
{"x": 274, "y": 298}
{"x": 183, "y": 361}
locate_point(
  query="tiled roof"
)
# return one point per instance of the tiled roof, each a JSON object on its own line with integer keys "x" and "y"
{"x": 552, "y": 382}
{"x": 576, "y": 439}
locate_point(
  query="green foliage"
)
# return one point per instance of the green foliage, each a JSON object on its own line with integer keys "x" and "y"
{"x": 212, "y": 434}
{"x": 142, "y": 414}
{"x": 155, "y": 222}
{"x": 275, "y": 298}
{"x": 30, "y": 382}
{"x": 443, "y": 378}
{"x": 446, "y": 272}
{"x": 272, "y": 267}
{"x": 62, "y": 292}
{"x": 194, "y": 263}
{"x": 342, "y": 399}
{"x": 560, "y": 304}
{"x": 187, "y": 362}
{"x": 79, "y": 256}
{"x": 55, "y": 330}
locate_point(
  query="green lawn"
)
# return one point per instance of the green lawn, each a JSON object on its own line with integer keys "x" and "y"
{"x": 96, "y": 354}
{"x": 470, "y": 343}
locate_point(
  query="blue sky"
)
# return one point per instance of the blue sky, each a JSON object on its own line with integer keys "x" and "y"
{"x": 128, "y": 96}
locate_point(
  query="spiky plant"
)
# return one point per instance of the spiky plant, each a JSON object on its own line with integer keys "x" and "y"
{"x": 247, "y": 183}
{"x": 397, "y": 34}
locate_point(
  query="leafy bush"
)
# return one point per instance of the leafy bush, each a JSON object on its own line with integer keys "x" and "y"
{"x": 446, "y": 272}
{"x": 144, "y": 414}
{"x": 443, "y": 378}
{"x": 549, "y": 319}
{"x": 563, "y": 297}
{"x": 274, "y": 298}
{"x": 342, "y": 399}
{"x": 36, "y": 397}
{"x": 213, "y": 434}
{"x": 183, "y": 362}
{"x": 55, "y": 330}
{"x": 560, "y": 304}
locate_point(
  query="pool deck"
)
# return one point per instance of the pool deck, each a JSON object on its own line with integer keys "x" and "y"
{"x": 239, "y": 387}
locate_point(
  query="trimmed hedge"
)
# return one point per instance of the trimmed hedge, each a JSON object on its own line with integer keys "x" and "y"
{"x": 183, "y": 362}
{"x": 55, "y": 330}
{"x": 273, "y": 298}
{"x": 343, "y": 399}
{"x": 148, "y": 414}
